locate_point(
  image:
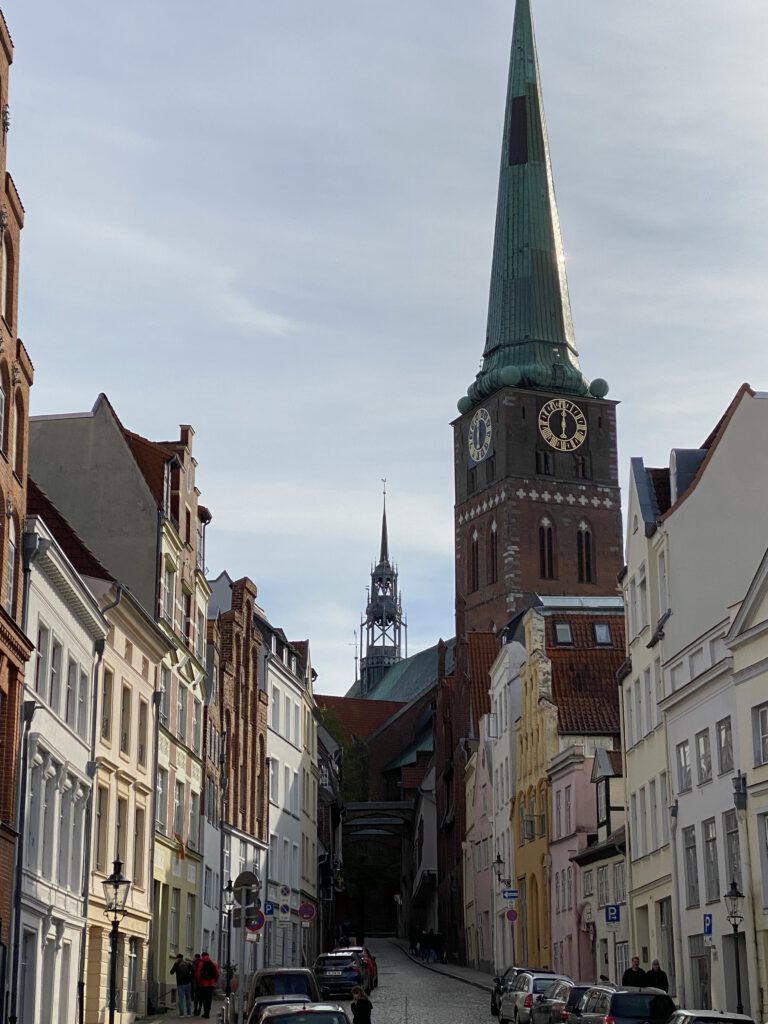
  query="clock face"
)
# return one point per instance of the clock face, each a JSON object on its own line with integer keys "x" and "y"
{"x": 562, "y": 424}
{"x": 479, "y": 435}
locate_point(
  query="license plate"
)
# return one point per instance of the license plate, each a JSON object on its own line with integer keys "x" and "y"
{"x": 335, "y": 973}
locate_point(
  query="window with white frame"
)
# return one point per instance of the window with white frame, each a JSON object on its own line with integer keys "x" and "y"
{"x": 622, "y": 958}
{"x": 683, "y": 766}
{"x": 642, "y": 599}
{"x": 178, "y": 808}
{"x": 603, "y": 886}
{"x": 703, "y": 757}
{"x": 274, "y": 780}
{"x": 181, "y": 712}
{"x": 658, "y": 683}
{"x": 558, "y": 814}
{"x": 643, "y": 837}
{"x": 653, "y": 810}
{"x": 287, "y": 717}
{"x": 650, "y": 703}
{"x": 732, "y": 850}
{"x": 628, "y": 717}
{"x": 638, "y": 709}
{"x": 165, "y": 695}
{"x": 174, "y": 918}
{"x": 691, "y": 866}
{"x": 162, "y": 800}
{"x": 619, "y": 883}
{"x": 569, "y": 886}
{"x": 557, "y": 892}
{"x": 711, "y": 871}
{"x": 664, "y": 797}
{"x": 568, "y": 791}
{"x": 587, "y": 883}
{"x": 724, "y": 746}
{"x": 663, "y": 598}
{"x": 107, "y": 687}
{"x": 275, "y": 709}
{"x": 634, "y": 841}
{"x": 82, "y": 706}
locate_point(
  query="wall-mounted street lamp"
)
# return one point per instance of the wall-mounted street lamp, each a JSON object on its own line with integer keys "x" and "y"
{"x": 116, "y": 888}
{"x": 499, "y": 867}
{"x": 733, "y": 901}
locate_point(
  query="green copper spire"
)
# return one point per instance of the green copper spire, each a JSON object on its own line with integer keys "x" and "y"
{"x": 529, "y": 341}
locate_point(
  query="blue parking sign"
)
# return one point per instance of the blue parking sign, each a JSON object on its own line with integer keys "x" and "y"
{"x": 269, "y": 908}
{"x": 612, "y": 913}
{"x": 707, "y": 924}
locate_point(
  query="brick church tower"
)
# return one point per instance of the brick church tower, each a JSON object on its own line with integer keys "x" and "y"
{"x": 537, "y": 502}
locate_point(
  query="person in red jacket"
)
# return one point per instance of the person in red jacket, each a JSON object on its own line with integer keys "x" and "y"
{"x": 206, "y": 978}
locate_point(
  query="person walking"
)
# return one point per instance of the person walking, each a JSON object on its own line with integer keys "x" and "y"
{"x": 657, "y": 978}
{"x": 196, "y": 999}
{"x": 207, "y": 976}
{"x": 361, "y": 1006}
{"x": 634, "y": 975}
{"x": 185, "y": 976}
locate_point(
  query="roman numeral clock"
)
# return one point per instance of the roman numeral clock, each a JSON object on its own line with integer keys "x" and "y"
{"x": 563, "y": 425}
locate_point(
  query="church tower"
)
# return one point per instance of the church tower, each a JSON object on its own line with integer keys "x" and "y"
{"x": 537, "y": 502}
{"x": 384, "y": 624}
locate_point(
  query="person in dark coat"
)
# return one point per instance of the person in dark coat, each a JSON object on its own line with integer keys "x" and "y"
{"x": 657, "y": 978}
{"x": 634, "y": 975}
{"x": 196, "y": 994}
{"x": 361, "y": 1007}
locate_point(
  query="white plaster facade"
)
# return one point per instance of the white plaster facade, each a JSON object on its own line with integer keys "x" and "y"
{"x": 424, "y": 897}
{"x": 66, "y": 623}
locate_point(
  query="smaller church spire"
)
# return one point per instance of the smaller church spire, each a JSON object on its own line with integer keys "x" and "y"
{"x": 384, "y": 555}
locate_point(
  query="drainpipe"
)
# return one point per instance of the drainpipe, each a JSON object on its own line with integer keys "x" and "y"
{"x": 98, "y": 648}
{"x": 678, "y": 952}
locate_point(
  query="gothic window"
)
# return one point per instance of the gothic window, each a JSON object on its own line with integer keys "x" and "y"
{"x": 490, "y": 470}
{"x": 546, "y": 550}
{"x": 18, "y": 440}
{"x": 471, "y": 479}
{"x": 6, "y": 278}
{"x": 493, "y": 553}
{"x": 584, "y": 553}
{"x": 545, "y": 462}
{"x": 10, "y": 588}
{"x": 474, "y": 563}
{"x": 581, "y": 467}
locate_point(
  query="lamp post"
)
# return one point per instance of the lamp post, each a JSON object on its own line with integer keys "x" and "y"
{"x": 733, "y": 899}
{"x": 116, "y": 888}
{"x": 229, "y": 902}
{"x": 498, "y": 867}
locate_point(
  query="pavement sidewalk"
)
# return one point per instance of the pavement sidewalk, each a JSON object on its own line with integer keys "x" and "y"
{"x": 465, "y": 974}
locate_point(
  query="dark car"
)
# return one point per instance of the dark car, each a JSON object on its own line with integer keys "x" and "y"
{"x": 622, "y": 1006}
{"x": 339, "y": 973}
{"x": 283, "y": 981}
{"x": 365, "y": 954}
{"x": 709, "y": 1017}
{"x": 309, "y": 1013}
{"x": 557, "y": 1003}
{"x": 522, "y": 994}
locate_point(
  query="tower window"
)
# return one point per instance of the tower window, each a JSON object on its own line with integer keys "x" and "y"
{"x": 581, "y": 467}
{"x": 471, "y": 479}
{"x": 546, "y": 550}
{"x": 490, "y": 470}
{"x": 493, "y": 554}
{"x": 584, "y": 553}
{"x": 474, "y": 563}
{"x": 545, "y": 463}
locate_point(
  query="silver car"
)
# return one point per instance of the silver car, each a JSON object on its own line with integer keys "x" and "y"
{"x": 520, "y": 995}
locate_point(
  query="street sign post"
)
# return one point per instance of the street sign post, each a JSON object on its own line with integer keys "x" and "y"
{"x": 612, "y": 915}
{"x": 510, "y": 894}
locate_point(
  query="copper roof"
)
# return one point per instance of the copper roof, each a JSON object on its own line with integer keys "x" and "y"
{"x": 584, "y": 686}
{"x": 81, "y": 557}
{"x": 358, "y": 716}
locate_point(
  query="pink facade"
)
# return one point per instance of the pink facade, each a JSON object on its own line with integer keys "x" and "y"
{"x": 574, "y": 819}
{"x": 480, "y": 829}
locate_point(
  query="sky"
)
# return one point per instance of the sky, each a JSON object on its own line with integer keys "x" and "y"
{"x": 273, "y": 219}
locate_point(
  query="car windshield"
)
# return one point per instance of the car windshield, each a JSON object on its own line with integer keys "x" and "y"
{"x": 642, "y": 1004}
{"x": 283, "y": 985}
{"x": 335, "y": 960}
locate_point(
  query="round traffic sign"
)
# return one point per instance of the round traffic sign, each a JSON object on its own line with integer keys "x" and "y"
{"x": 257, "y": 923}
{"x": 307, "y": 911}
{"x": 511, "y": 914}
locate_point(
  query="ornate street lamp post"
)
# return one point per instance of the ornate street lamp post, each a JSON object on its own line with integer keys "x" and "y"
{"x": 116, "y": 888}
{"x": 498, "y": 867}
{"x": 733, "y": 899}
{"x": 229, "y": 902}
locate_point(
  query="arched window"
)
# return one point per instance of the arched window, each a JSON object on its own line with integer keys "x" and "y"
{"x": 474, "y": 563}
{"x": 493, "y": 553}
{"x": 584, "y": 553}
{"x": 6, "y": 278}
{"x": 10, "y": 586}
{"x": 18, "y": 435}
{"x": 546, "y": 550}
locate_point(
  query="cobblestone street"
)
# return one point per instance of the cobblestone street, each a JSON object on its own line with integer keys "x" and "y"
{"x": 410, "y": 994}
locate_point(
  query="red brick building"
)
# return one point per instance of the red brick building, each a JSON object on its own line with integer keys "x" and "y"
{"x": 16, "y": 374}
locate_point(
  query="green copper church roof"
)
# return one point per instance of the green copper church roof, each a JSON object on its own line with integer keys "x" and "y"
{"x": 530, "y": 341}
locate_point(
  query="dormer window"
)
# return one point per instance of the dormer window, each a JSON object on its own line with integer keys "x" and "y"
{"x": 563, "y": 633}
{"x": 602, "y": 634}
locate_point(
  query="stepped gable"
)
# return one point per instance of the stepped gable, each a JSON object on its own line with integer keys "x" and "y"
{"x": 78, "y": 553}
{"x": 358, "y": 716}
{"x": 584, "y": 676}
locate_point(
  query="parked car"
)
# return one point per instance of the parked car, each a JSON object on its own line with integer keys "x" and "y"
{"x": 558, "y": 1001}
{"x": 518, "y": 998}
{"x": 622, "y": 1005}
{"x": 305, "y": 1013}
{"x": 262, "y": 1003}
{"x": 283, "y": 981}
{"x": 367, "y": 956}
{"x": 339, "y": 973}
{"x": 708, "y": 1017}
{"x": 505, "y": 979}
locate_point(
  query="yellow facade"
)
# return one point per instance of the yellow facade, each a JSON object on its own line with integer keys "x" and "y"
{"x": 537, "y": 742}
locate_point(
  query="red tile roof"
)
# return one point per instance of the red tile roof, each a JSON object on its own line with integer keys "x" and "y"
{"x": 584, "y": 685}
{"x": 151, "y": 458}
{"x": 483, "y": 649}
{"x": 81, "y": 557}
{"x": 358, "y": 716}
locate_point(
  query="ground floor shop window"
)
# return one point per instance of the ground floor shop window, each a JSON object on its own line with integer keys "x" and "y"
{"x": 701, "y": 976}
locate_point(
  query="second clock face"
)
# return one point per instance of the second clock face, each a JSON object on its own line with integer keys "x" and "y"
{"x": 562, "y": 424}
{"x": 479, "y": 442}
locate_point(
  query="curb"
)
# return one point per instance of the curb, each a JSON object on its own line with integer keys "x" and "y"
{"x": 438, "y": 970}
